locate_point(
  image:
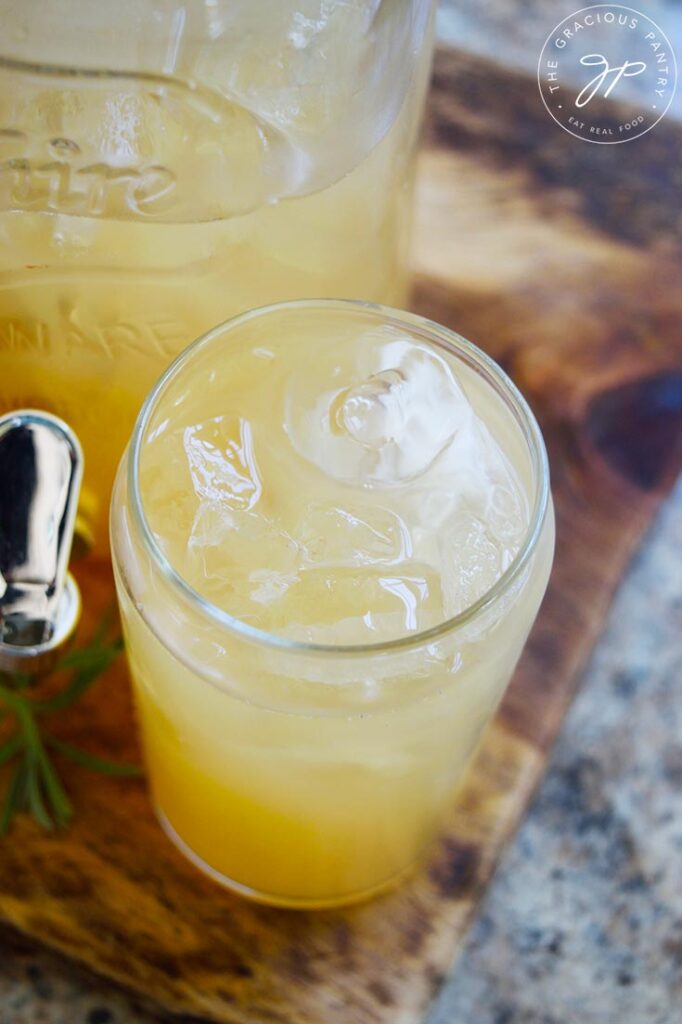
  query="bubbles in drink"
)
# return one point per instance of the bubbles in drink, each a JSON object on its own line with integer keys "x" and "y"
{"x": 353, "y": 498}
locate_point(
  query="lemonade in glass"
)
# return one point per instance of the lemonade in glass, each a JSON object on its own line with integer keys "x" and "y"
{"x": 331, "y": 535}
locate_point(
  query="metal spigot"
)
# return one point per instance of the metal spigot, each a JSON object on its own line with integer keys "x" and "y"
{"x": 41, "y": 466}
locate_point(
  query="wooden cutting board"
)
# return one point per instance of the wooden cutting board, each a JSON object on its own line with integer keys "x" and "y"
{"x": 562, "y": 260}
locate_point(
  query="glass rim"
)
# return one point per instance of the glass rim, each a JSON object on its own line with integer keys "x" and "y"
{"x": 435, "y": 334}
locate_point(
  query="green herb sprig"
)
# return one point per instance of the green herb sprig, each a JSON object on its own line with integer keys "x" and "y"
{"x": 34, "y": 784}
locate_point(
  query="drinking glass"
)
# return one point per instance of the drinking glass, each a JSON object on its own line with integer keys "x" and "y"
{"x": 296, "y": 769}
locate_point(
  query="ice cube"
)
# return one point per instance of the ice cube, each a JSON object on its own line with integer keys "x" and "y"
{"x": 268, "y": 585}
{"x": 370, "y": 604}
{"x": 352, "y": 535}
{"x": 223, "y": 541}
{"x": 222, "y": 461}
{"x": 386, "y": 426}
{"x": 475, "y": 479}
{"x": 240, "y": 560}
{"x": 471, "y": 562}
{"x": 505, "y": 513}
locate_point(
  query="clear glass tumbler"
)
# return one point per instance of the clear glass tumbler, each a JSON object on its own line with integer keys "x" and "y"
{"x": 296, "y": 770}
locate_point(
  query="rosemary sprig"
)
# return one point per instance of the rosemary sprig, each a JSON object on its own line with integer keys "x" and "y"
{"x": 34, "y": 784}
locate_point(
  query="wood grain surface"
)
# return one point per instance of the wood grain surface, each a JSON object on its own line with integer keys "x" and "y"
{"x": 562, "y": 259}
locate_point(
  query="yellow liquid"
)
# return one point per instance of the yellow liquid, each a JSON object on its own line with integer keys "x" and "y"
{"x": 92, "y": 310}
{"x": 303, "y": 779}
{"x": 303, "y": 810}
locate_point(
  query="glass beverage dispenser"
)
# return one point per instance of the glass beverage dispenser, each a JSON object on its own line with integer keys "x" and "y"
{"x": 166, "y": 164}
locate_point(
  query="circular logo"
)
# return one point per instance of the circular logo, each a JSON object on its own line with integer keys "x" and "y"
{"x": 607, "y": 74}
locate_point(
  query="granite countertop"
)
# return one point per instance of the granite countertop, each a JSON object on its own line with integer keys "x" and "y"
{"x": 583, "y": 922}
